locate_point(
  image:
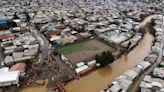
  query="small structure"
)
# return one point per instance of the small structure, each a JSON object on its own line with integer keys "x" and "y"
{"x": 18, "y": 67}
{"x": 9, "y": 78}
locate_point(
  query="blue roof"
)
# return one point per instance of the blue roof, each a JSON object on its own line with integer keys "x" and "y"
{"x": 3, "y": 21}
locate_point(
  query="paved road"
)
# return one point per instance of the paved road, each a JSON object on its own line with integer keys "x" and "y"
{"x": 45, "y": 51}
{"x": 44, "y": 44}
{"x": 138, "y": 80}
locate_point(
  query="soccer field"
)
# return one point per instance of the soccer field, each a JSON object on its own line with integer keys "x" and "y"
{"x": 82, "y": 51}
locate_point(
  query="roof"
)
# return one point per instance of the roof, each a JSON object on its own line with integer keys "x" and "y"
{"x": 3, "y": 21}
{"x": 157, "y": 84}
{"x": 145, "y": 85}
{"x": 144, "y": 64}
{"x": 51, "y": 33}
{"x": 115, "y": 88}
{"x": 80, "y": 64}
{"x": 18, "y": 67}
{"x": 103, "y": 30}
{"x": 17, "y": 20}
{"x": 4, "y": 69}
{"x": 147, "y": 78}
{"x": 60, "y": 26}
{"x": 145, "y": 90}
{"x": 131, "y": 74}
{"x": 17, "y": 59}
{"x": 55, "y": 38}
{"x": 9, "y": 76}
{"x": 79, "y": 36}
{"x": 80, "y": 69}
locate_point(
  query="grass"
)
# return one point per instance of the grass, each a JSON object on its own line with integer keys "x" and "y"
{"x": 77, "y": 47}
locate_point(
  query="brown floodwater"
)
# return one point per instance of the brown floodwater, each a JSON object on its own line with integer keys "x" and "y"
{"x": 101, "y": 78}
{"x": 35, "y": 89}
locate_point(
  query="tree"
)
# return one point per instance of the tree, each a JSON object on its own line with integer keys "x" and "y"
{"x": 13, "y": 24}
{"x": 62, "y": 20}
{"x": 152, "y": 22}
{"x": 15, "y": 16}
{"x": 151, "y": 27}
{"x": 92, "y": 32}
{"x": 27, "y": 16}
{"x": 105, "y": 58}
{"x": 82, "y": 29}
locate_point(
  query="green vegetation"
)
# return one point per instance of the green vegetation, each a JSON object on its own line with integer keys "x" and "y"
{"x": 105, "y": 58}
{"x": 77, "y": 47}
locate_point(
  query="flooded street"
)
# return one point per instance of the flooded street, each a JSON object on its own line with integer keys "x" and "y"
{"x": 35, "y": 89}
{"x": 99, "y": 79}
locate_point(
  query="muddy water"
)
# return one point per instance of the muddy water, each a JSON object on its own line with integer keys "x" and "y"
{"x": 146, "y": 20}
{"x": 35, "y": 89}
{"x": 100, "y": 78}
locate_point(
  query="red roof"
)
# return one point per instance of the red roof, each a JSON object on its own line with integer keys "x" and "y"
{"x": 7, "y": 37}
{"x": 19, "y": 66}
{"x": 79, "y": 36}
{"x": 86, "y": 71}
{"x": 60, "y": 26}
{"x": 54, "y": 33}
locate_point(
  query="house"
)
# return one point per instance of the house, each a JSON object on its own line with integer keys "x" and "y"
{"x": 9, "y": 78}
{"x": 144, "y": 64}
{"x": 147, "y": 78}
{"x": 55, "y": 39}
{"x": 68, "y": 39}
{"x": 159, "y": 72}
{"x": 131, "y": 74}
{"x": 115, "y": 88}
{"x": 79, "y": 37}
{"x": 151, "y": 58}
{"x": 51, "y": 33}
{"x": 4, "y": 24}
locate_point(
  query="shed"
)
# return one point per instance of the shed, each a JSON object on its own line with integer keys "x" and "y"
{"x": 80, "y": 69}
{"x": 147, "y": 78}
{"x": 80, "y": 64}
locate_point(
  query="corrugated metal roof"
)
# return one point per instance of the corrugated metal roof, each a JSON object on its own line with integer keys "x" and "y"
{"x": 3, "y": 21}
{"x": 9, "y": 76}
